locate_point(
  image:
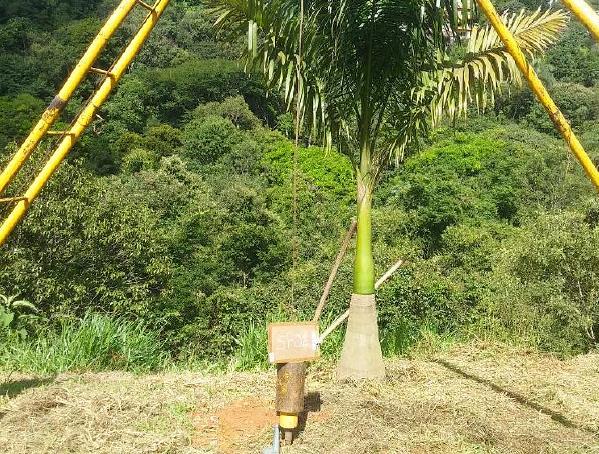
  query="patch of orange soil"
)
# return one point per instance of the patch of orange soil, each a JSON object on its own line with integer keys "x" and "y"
{"x": 233, "y": 425}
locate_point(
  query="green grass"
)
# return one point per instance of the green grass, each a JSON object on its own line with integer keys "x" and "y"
{"x": 99, "y": 343}
{"x": 94, "y": 343}
{"x": 399, "y": 340}
{"x": 251, "y": 353}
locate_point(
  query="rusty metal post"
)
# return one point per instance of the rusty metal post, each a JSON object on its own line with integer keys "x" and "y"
{"x": 291, "y": 380}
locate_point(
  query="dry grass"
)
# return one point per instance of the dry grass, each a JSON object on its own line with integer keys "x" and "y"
{"x": 467, "y": 399}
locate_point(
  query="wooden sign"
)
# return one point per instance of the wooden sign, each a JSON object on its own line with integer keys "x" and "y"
{"x": 293, "y": 342}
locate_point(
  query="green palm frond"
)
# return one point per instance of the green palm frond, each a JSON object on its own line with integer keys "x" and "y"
{"x": 273, "y": 30}
{"x": 372, "y": 74}
{"x": 487, "y": 65}
{"x": 353, "y": 51}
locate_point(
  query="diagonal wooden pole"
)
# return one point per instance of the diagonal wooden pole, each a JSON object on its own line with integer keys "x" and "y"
{"x": 388, "y": 274}
{"x": 327, "y": 288}
{"x": 339, "y": 320}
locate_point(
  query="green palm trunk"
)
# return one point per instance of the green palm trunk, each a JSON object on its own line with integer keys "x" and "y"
{"x": 364, "y": 262}
{"x": 361, "y": 356}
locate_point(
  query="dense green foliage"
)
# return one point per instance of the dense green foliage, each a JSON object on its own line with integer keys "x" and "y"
{"x": 173, "y": 216}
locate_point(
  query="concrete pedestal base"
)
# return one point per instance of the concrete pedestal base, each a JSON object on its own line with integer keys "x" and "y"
{"x": 361, "y": 356}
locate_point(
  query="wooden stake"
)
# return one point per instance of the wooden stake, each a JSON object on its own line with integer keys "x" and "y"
{"x": 339, "y": 320}
{"x": 388, "y": 274}
{"x": 327, "y": 288}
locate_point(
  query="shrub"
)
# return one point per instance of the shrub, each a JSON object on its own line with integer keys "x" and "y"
{"x": 15, "y": 317}
{"x": 244, "y": 158}
{"x": 575, "y": 58}
{"x": 89, "y": 243}
{"x": 501, "y": 174}
{"x": 162, "y": 139}
{"x": 590, "y": 139}
{"x": 578, "y": 103}
{"x": 139, "y": 159}
{"x": 285, "y": 124}
{"x": 17, "y": 115}
{"x": 15, "y": 35}
{"x": 235, "y": 109}
{"x": 545, "y": 284}
{"x": 206, "y": 140}
{"x": 179, "y": 89}
{"x": 128, "y": 105}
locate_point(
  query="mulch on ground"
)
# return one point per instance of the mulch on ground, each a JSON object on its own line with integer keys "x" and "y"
{"x": 469, "y": 399}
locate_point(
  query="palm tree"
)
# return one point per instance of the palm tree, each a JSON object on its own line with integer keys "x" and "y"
{"x": 370, "y": 77}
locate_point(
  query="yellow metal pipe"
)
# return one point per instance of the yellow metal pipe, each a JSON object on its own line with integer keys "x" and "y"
{"x": 539, "y": 90}
{"x": 55, "y": 108}
{"x": 585, "y": 14}
{"x": 83, "y": 121}
{"x": 288, "y": 420}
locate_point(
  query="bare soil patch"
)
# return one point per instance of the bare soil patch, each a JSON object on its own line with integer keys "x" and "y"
{"x": 232, "y": 425}
{"x": 470, "y": 399}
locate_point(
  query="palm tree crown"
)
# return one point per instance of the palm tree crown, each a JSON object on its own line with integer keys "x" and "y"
{"x": 377, "y": 73}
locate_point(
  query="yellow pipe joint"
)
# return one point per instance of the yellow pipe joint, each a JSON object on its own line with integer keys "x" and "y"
{"x": 288, "y": 420}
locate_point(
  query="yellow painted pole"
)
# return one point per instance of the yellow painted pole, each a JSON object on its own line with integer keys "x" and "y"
{"x": 83, "y": 121}
{"x": 539, "y": 90}
{"x": 55, "y": 108}
{"x": 585, "y": 14}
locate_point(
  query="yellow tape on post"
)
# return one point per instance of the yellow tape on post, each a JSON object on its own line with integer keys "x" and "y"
{"x": 539, "y": 90}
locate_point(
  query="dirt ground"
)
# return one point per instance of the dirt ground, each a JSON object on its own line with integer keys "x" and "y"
{"x": 469, "y": 399}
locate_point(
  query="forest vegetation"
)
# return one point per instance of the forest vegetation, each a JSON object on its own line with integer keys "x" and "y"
{"x": 166, "y": 238}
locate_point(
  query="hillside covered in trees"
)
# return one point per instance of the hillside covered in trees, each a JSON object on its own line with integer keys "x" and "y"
{"x": 169, "y": 230}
